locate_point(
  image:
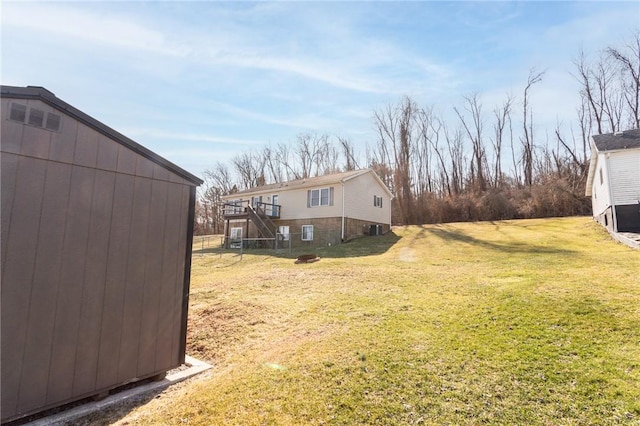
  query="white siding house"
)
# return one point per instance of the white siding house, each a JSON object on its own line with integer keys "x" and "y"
{"x": 333, "y": 208}
{"x": 614, "y": 180}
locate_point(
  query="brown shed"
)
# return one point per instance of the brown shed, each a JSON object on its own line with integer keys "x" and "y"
{"x": 96, "y": 255}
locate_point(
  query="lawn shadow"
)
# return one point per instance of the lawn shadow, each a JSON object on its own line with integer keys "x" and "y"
{"x": 508, "y": 247}
{"x": 359, "y": 247}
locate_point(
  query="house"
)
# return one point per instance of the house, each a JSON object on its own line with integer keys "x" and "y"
{"x": 320, "y": 210}
{"x": 614, "y": 180}
{"x": 96, "y": 255}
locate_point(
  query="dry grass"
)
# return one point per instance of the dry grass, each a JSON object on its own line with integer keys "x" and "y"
{"x": 516, "y": 322}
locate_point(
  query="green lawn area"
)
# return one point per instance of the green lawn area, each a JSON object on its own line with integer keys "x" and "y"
{"x": 531, "y": 322}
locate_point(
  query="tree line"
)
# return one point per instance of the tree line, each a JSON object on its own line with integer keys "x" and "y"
{"x": 487, "y": 163}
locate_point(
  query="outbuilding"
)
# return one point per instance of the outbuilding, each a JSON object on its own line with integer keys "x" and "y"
{"x": 96, "y": 255}
{"x": 614, "y": 180}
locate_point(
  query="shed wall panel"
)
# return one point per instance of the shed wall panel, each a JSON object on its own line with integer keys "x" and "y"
{"x": 35, "y": 142}
{"x": 126, "y": 161}
{"x": 93, "y": 284}
{"x": 8, "y": 169}
{"x": 134, "y": 293}
{"x": 115, "y": 284}
{"x": 40, "y": 325}
{"x": 160, "y": 173}
{"x": 86, "y": 153}
{"x": 107, "y": 154}
{"x": 63, "y": 143}
{"x": 11, "y": 136}
{"x": 144, "y": 167}
{"x": 68, "y": 304}
{"x": 17, "y": 275}
{"x": 153, "y": 274}
{"x": 178, "y": 296}
{"x": 175, "y": 221}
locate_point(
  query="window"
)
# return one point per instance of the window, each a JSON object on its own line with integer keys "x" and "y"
{"x": 601, "y": 180}
{"x": 324, "y": 197}
{"x": 236, "y": 233}
{"x": 235, "y": 238}
{"x": 284, "y": 231}
{"x": 307, "y": 232}
{"x": 320, "y": 197}
{"x": 255, "y": 201}
{"x": 377, "y": 201}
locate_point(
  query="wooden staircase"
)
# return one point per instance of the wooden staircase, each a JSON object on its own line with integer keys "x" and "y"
{"x": 265, "y": 226}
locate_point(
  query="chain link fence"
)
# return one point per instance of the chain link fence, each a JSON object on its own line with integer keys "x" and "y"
{"x": 283, "y": 243}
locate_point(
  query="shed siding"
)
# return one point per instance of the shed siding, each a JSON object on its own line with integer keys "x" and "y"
{"x": 94, "y": 238}
{"x": 117, "y": 259}
{"x": 624, "y": 172}
{"x": 17, "y": 272}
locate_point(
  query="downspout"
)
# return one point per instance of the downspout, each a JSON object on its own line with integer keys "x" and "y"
{"x": 342, "y": 226}
{"x": 614, "y": 216}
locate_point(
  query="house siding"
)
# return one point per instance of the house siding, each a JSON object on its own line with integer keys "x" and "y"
{"x": 359, "y": 192}
{"x": 294, "y": 204}
{"x": 600, "y": 195}
{"x": 624, "y": 172}
{"x": 94, "y": 238}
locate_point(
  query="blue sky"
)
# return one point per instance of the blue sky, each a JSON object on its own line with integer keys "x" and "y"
{"x": 198, "y": 82}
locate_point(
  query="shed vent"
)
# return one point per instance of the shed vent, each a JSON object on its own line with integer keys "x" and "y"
{"x": 18, "y": 112}
{"x": 53, "y": 122}
{"x": 36, "y": 117}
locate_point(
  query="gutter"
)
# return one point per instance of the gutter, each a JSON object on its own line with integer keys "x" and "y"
{"x": 342, "y": 226}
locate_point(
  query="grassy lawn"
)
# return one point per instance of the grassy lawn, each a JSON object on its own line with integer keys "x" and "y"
{"x": 516, "y": 322}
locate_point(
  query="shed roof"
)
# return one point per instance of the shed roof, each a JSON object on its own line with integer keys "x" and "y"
{"x": 615, "y": 141}
{"x": 44, "y": 95}
{"x": 309, "y": 182}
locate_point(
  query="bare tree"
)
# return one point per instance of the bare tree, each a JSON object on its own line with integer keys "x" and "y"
{"x": 348, "y": 152}
{"x": 527, "y": 140}
{"x": 426, "y": 132}
{"x": 474, "y": 133}
{"x": 395, "y": 148}
{"x": 502, "y": 115}
{"x": 457, "y": 159}
{"x": 601, "y": 91}
{"x": 250, "y": 168}
{"x": 629, "y": 67}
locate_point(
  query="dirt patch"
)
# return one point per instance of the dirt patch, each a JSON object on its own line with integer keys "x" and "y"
{"x": 215, "y": 331}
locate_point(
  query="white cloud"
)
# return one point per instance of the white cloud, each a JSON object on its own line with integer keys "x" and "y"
{"x": 85, "y": 27}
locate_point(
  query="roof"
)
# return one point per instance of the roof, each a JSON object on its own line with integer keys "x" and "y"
{"x": 44, "y": 95}
{"x": 309, "y": 182}
{"x": 615, "y": 141}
